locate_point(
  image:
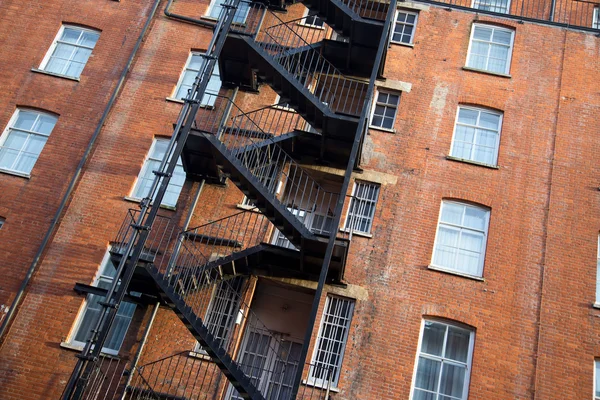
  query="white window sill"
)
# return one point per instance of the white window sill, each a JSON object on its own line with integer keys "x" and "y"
{"x": 248, "y": 208}
{"x": 213, "y": 19}
{"x": 480, "y": 164}
{"x": 78, "y": 347}
{"x": 483, "y": 71}
{"x": 174, "y": 100}
{"x": 355, "y": 233}
{"x": 180, "y": 101}
{"x": 596, "y": 305}
{"x": 41, "y": 71}
{"x": 379, "y": 128}
{"x": 136, "y": 200}
{"x": 320, "y": 28}
{"x": 411, "y": 45}
{"x": 15, "y": 173}
{"x": 458, "y": 273}
{"x": 199, "y": 355}
{"x": 283, "y": 108}
{"x": 333, "y": 389}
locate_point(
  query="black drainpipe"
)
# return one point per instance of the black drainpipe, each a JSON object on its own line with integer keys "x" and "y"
{"x": 74, "y": 180}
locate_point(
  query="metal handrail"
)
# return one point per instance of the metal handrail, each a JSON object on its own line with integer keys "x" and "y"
{"x": 569, "y": 13}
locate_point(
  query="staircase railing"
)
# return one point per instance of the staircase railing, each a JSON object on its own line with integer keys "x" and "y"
{"x": 306, "y": 65}
{"x": 160, "y": 238}
{"x": 106, "y": 380}
{"x": 278, "y": 119}
{"x": 195, "y": 285}
{"x": 370, "y": 9}
{"x": 185, "y": 376}
{"x": 573, "y": 13}
{"x": 260, "y": 154}
{"x": 176, "y": 376}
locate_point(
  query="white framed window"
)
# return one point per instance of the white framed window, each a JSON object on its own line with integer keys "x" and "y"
{"x": 596, "y": 379}
{"x": 362, "y": 207}
{"x": 461, "y": 238}
{"x": 222, "y": 310}
{"x": 598, "y": 273}
{"x": 490, "y": 48}
{"x": 384, "y": 110}
{"x": 92, "y": 309}
{"x": 312, "y": 21}
{"x": 476, "y": 135}
{"x": 443, "y": 366}
{"x": 23, "y": 139}
{"x": 499, "y": 6}
{"x": 70, "y": 51}
{"x": 146, "y": 176}
{"x": 331, "y": 341}
{"x": 404, "y": 28}
{"x": 596, "y": 18}
{"x": 216, "y": 7}
{"x": 193, "y": 65}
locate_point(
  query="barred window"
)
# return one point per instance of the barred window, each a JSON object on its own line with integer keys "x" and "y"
{"x": 362, "y": 207}
{"x": 596, "y": 19}
{"x": 222, "y": 310}
{"x": 331, "y": 341}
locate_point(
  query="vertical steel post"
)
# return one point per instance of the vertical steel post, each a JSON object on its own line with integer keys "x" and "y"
{"x": 340, "y": 201}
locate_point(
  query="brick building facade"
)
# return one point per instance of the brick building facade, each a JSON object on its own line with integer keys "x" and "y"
{"x": 471, "y": 268}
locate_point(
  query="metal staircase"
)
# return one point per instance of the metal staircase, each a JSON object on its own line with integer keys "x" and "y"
{"x": 293, "y": 229}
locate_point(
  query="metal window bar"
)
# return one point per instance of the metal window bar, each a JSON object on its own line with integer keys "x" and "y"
{"x": 362, "y": 207}
{"x": 331, "y": 340}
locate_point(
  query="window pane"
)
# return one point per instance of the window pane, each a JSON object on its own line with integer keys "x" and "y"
{"x": 428, "y": 374}
{"x": 457, "y": 347}
{"x": 453, "y": 380}
{"x": 8, "y": 157}
{"x": 482, "y": 33}
{"x": 25, "y": 120}
{"x": 475, "y": 218}
{"x": 89, "y": 39}
{"x": 597, "y": 383}
{"x": 422, "y": 395}
{"x": 452, "y": 213}
{"x": 70, "y": 35}
{"x": 433, "y": 338}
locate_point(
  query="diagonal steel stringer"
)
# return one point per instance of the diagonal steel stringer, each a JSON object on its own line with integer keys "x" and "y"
{"x": 149, "y": 209}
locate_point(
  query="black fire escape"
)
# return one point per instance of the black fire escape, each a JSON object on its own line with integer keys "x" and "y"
{"x": 268, "y": 155}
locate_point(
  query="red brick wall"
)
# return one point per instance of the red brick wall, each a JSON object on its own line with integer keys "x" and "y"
{"x": 532, "y": 313}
